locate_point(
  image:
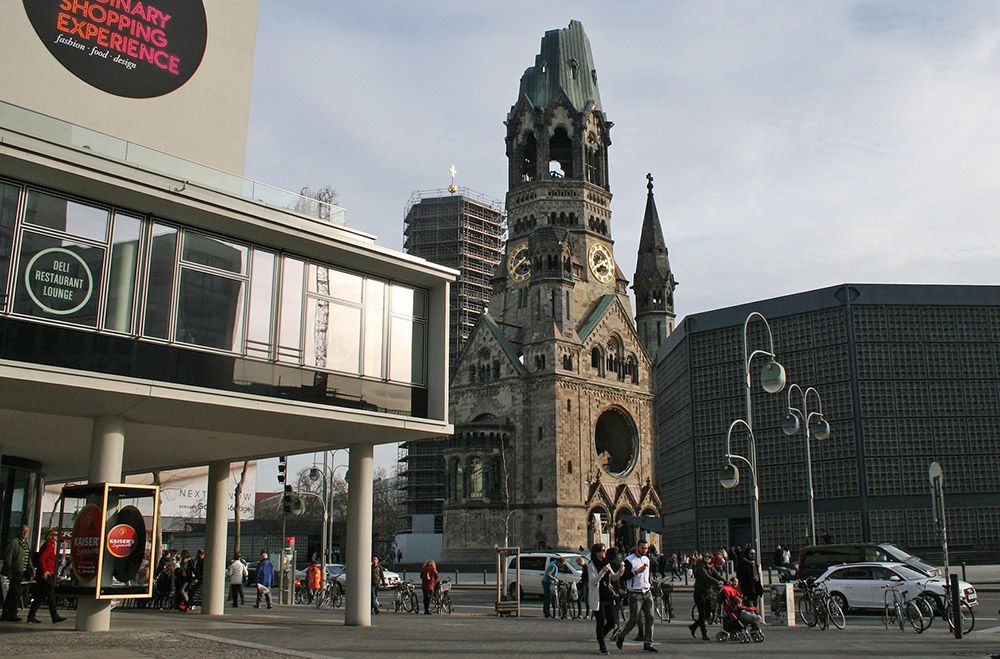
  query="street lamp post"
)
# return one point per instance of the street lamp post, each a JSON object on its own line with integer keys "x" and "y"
{"x": 816, "y": 426}
{"x": 772, "y": 380}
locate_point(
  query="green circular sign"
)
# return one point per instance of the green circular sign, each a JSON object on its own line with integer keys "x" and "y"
{"x": 59, "y": 281}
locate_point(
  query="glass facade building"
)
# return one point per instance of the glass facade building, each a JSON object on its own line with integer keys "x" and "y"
{"x": 161, "y": 300}
{"x": 908, "y": 375}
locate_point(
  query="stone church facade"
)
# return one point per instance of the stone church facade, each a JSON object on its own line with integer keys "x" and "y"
{"x": 552, "y": 397}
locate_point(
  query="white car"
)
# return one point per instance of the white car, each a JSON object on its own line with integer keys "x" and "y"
{"x": 862, "y": 585}
{"x": 533, "y": 566}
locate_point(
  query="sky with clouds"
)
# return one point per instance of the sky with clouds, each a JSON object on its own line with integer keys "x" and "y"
{"x": 794, "y": 145}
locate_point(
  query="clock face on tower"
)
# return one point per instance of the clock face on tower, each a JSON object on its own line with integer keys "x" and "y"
{"x": 518, "y": 264}
{"x": 601, "y": 263}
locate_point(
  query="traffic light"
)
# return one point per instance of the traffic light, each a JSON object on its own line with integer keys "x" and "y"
{"x": 282, "y": 468}
{"x": 291, "y": 503}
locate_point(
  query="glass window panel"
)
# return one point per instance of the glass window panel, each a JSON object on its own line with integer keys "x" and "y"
{"x": 121, "y": 282}
{"x": 335, "y": 283}
{"x": 406, "y": 344}
{"x": 333, "y": 336}
{"x": 47, "y": 210}
{"x": 215, "y": 253}
{"x": 408, "y": 301}
{"x": 210, "y": 310}
{"x": 160, "y": 284}
{"x": 59, "y": 279}
{"x": 261, "y": 294}
{"x": 374, "y": 327}
{"x": 290, "y": 323}
{"x": 8, "y": 213}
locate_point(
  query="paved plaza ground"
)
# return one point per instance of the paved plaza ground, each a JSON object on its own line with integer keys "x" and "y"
{"x": 307, "y": 632}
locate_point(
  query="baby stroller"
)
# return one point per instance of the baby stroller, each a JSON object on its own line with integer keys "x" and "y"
{"x": 734, "y": 629}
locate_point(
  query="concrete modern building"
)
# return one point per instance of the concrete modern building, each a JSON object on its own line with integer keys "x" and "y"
{"x": 907, "y": 375}
{"x": 552, "y": 396}
{"x": 161, "y": 311}
{"x": 461, "y": 229}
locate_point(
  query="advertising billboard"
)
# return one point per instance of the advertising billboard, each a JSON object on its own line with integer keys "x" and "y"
{"x": 112, "y": 540}
{"x": 124, "y": 47}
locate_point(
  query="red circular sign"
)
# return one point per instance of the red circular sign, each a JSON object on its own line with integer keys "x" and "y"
{"x": 121, "y": 541}
{"x": 85, "y": 545}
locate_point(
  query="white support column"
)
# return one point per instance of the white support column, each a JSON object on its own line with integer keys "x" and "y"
{"x": 358, "y": 611}
{"x": 213, "y": 595}
{"x": 107, "y": 448}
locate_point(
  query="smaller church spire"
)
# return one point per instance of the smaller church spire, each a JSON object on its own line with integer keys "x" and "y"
{"x": 653, "y": 282}
{"x": 653, "y": 259}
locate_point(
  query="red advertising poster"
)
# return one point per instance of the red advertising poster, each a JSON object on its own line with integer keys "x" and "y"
{"x": 85, "y": 545}
{"x": 131, "y": 48}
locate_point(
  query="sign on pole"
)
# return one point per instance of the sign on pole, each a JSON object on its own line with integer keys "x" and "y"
{"x": 936, "y": 476}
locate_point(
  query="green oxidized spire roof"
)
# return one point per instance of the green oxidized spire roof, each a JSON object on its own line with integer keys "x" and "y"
{"x": 564, "y": 65}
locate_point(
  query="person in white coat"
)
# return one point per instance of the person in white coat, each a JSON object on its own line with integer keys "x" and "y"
{"x": 600, "y": 592}
{"x": 237, "y": 573}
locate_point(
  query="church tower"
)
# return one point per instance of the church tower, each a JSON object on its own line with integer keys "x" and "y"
{"x": 552, "y": 397}
{"x": 653, "y": 282}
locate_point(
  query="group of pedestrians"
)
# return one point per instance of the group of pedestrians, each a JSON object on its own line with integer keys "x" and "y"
{"x": 237, "y": 573}
{"x": 605, "y": 573}
{"x": 710, "y": 586}
{"x": 178, "y": 579}
{"x": 18, "y": 566}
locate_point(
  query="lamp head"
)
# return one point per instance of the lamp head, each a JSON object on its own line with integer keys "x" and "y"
{"x": 820, "y": 428}
{"x": 315, "y": 474}
{"x": 790, "y": 424}
{"x": 729, "y": 476}
{"x": 772, "y": 377}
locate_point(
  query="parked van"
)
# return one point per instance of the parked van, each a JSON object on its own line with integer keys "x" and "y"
{"x": 533, "y": 566}
{"x": 815, "y": 559}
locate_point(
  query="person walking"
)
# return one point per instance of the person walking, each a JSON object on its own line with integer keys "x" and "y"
{"x": 640, "y": 597}
{"x": 45, "y": 579}
{"x": 378, "y": 579}
{"x": 601, "y": 594}
{"x": 675, "y": 568}
{"x": 583, "y": 589}
{"x": 314, "y": 579}
{"x": 196, "y": 571}
{"x": 237, "y": 573}
{"x": 428, "y": 583}
{"x": 181, "y": 583}
{"x": 549, "y": 581}
{"x": 264, "y": 577}
{"x": 706, "y": 580}
{"x": 17, "y": 567}
{"x": 749, "y": 577}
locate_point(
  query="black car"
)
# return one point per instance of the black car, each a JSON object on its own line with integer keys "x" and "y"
{"x": 815, "y": 559}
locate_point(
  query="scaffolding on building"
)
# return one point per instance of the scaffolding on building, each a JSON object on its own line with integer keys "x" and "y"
{"x": 464, "y": 230}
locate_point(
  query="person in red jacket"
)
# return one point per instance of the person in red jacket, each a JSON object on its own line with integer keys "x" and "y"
{"x": 45, "y": 579}
{"x": 428, "y": 582}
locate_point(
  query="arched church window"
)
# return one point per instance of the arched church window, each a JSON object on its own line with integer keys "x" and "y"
{"x": 561, "y": 152}
{"x": 529, "y": 158}
{"x": 475, "y": 478}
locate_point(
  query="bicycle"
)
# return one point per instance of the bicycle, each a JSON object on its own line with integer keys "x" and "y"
{"x": 332, "y": 595}
{"x": 817, "y": 608}
{"x": 566, "y": 598}
{"x": 944, "y": 608}
{"x": 406, "y": 598}
{"x": 441, "y": 598}
{"x": 714, "y": 609}
{"x": 662, "y": 605}
{"x": 915, "y": 611}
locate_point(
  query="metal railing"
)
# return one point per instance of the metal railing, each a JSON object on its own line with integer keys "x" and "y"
{"x": 50, "y": 129}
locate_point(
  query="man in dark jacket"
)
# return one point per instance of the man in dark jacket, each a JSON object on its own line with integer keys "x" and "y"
{"x": 265, "y": 577}
{"x": 16, "y": 566}
{"x": 749, "y": 577}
